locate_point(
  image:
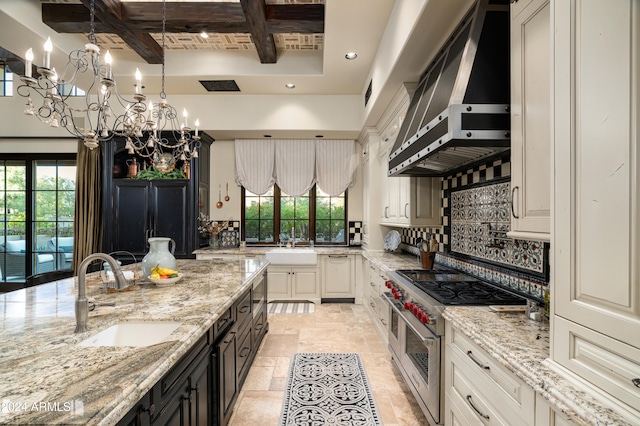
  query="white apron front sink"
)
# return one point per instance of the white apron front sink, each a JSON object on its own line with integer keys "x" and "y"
{"x": 292, "y": 256}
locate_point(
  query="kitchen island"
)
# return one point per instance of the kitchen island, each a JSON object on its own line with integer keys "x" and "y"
{"x": 46, "y": 378}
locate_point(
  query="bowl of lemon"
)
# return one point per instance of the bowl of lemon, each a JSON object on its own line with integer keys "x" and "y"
{"x": 163, "y": 277}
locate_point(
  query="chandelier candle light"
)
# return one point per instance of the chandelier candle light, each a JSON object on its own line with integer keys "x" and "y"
{"x": 95, "y": 122}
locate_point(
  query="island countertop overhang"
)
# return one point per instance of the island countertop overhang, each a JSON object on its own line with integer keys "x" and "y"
{"x": 41, "y": 365}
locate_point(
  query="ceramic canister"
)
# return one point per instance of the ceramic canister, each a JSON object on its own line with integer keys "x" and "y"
{"x": 159, "y": 255}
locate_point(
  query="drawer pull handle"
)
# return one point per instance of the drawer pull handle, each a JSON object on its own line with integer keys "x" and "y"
{"x": 383, "y": 322}
{"x": 513, "y": 212}
{"x": 244, "y": 352}
{"x": 480, "y": 413}
{"x": 231, "y": 336}
{"x": 636, "y": 382}
{"x": 478, "y": 363}
{"x": 245, "y": 309}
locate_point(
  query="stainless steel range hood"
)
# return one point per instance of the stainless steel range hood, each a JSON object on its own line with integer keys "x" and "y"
{"x": 459, "y": 113}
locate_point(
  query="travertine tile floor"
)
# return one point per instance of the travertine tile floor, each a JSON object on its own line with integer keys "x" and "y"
{"x": 332, "y": 328}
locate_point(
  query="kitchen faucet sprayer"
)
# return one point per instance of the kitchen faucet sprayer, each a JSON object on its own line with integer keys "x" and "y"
{"x": 82, "y": 303}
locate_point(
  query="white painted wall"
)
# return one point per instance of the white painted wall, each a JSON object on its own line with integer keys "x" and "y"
{"x": 53, "y": 145}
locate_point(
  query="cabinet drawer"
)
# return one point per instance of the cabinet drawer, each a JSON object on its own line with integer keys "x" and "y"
{"x": 222, "y": 324}
{"x": 514, "y": 395}
{"x": 469, "y": 397}
{"x": 243, "y": 309}
{"x": 174, "y": 380}
{"x": 243, "y": 354}
{"x": 607, "y": 363}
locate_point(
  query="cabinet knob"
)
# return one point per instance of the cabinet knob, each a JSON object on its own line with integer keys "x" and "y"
{"x": 150, "y": 410}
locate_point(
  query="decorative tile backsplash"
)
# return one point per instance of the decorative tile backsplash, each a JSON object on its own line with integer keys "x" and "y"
{"x": 480, "y": 219}
{"x": 355, "y": 233}
{"x": 476, "y": 216}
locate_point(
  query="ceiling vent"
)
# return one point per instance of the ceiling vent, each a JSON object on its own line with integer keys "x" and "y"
{"x": 220, "y": 85}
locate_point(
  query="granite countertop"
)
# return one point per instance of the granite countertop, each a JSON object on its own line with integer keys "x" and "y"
{"x": 47, "y": 379}
{"x": 263, "y": 249}
{"x": 522, "y": 345}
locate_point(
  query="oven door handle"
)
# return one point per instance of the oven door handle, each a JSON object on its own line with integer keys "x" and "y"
{"x": 427, "y": 341}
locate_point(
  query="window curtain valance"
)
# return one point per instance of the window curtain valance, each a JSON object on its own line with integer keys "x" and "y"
{"x": 336, "y": 163}
{"x": 295, "y": 165}
{"x": 255, "y": 164}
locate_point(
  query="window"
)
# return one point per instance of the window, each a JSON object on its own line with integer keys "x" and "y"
{"x": 37, "y": 201}
{"x": 6, "y": 81}
{"x": 271, "y": 218}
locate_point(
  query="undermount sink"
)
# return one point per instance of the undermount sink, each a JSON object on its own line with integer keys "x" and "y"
{"x": 292, "y": 256}
{"x": 137, "y": 334}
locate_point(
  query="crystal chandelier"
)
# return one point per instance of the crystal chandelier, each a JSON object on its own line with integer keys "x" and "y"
{"x": 152, "y": 129}
{"x": 87, "y": 117}
{"x": 149, "y": 130}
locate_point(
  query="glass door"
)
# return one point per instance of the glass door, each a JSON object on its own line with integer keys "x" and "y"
{"x": 37, "y": 202}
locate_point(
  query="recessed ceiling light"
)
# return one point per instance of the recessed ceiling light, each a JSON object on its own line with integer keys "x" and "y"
{"x": 289, "y": 85}
{"x": 351, "y": 55}
{"x": 204, "y": 34}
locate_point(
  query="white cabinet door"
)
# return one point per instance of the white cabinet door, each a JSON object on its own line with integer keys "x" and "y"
{"x": 279, "y": 283}
{"x": 596, "y": 208}
{"x": 338, "y": 276}
{"x": 547, "y": 416}
{"x": 417, "y": 201}
{"x": 305, "y": 284}
{"x": 293, "y": 283}
{"x": 530, "y": 120}
{"x": 390, "y": 193}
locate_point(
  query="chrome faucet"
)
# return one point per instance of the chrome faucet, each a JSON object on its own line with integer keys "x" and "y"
{"x": 293, "y": 237}
{"x": 82, "y": 303}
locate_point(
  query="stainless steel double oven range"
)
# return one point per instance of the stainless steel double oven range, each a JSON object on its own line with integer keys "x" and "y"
{"x": 416, "y": 301}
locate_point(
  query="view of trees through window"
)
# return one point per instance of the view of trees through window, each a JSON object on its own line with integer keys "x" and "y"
{"x": 37, "y": 201}
{"x": 273, "y": 217}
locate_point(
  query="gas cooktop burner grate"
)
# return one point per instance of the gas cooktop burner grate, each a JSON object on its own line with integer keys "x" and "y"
{"x": 455, "y": 288}
{"x": 468, "y": 293}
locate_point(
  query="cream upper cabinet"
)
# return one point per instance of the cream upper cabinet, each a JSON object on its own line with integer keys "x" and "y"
{"x": 409, "y": 201}
{"x": 419, "y": 201}
{"x": 389, "y": 193}
{"x": 530, "y": 119}
{"x": 596, "y": 194}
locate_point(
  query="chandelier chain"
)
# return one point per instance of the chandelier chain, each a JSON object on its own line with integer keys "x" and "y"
{"x": 92, "y": 25}
{"x": 164, "y": 23}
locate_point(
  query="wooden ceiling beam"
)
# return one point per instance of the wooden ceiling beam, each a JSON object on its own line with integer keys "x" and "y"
{"x": 110, "y": 13}
{"x": 254, "y": 11}
{"x": 212, "y": 17}
{"x": 134, "y": 21}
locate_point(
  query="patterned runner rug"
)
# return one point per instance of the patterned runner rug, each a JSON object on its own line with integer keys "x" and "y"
{"x": 328, "y": 389}
{"x": 291, "y": 308}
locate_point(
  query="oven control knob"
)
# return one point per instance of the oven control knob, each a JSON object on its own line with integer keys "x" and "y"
{"x": 425, "y": 318}
{"x": 416, "y": 309}
{"x": 420, "y": 314}
{"x": 388, "y": 284}
{"x": 396, "y": 295}
{"x": 407, "y": 305}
